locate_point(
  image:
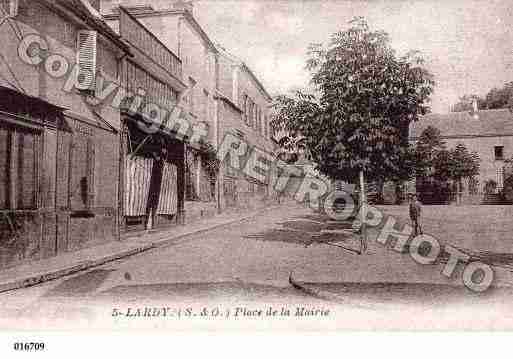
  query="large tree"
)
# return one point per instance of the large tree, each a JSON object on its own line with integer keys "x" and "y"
{"x": 464, "y": 164}
{"x": 434, "y": 162}
{"x": 355, "y": 121}
{"x": 456, "y": 164}
{"x": 428, "y": 146}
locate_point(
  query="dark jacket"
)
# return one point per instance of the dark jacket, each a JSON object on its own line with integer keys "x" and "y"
{"x": 415, "y": 209}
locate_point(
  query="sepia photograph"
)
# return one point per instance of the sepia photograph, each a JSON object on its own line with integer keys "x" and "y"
{"x": 255, "y": 165}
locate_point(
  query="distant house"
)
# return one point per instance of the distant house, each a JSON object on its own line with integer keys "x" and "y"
{"x": 487, "y": 132}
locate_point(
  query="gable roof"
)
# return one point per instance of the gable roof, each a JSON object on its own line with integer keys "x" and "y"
{"x": 489, "y": 123}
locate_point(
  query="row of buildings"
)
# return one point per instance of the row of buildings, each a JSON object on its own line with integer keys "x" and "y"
{"x": 80, "y": 83}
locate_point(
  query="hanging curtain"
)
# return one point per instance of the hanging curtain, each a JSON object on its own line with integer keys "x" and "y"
{"x": 138, "y": 175}
{"x": 168, "y": 201}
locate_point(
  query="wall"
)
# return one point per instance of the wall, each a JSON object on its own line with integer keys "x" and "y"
{"x": 198, "y": 61}
{"x": 247, "y": 85}
{"x": 484, "y": 146}
{"x": 61, "y": 37}
{"x": 58, "y": 225}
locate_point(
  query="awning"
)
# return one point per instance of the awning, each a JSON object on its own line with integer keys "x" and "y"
{"x": 27, "y": 106}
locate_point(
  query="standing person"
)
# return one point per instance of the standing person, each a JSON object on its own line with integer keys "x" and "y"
{"x": 415, "y": 214}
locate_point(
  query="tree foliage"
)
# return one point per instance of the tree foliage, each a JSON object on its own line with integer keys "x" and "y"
{"x": 434, "y": 160}
{"x": 496, "y": 98}
{"x": 364, "y": 99}
{"x": 291, "y": 149}
{"x": 429, "y": 145}
{"x": 463, "y": 164}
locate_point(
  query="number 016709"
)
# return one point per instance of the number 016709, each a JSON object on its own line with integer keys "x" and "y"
{"x": 29, "y": 347}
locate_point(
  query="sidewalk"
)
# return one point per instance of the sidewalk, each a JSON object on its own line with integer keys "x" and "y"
{"x": 69, "y": 263}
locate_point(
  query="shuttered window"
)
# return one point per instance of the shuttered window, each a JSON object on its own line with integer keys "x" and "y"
{"x": 18, "y": 168}
{"x": 86, "y": 59}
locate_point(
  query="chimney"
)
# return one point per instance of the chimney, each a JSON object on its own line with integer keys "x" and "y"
{"x": 184, "y": 5}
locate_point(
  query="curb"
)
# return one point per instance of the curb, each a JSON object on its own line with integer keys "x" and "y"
{"x": 39, "y": 278}
{"x": 330, "y": 297}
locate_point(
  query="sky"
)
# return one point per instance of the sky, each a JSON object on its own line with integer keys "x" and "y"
{"x": 468, "y": 44}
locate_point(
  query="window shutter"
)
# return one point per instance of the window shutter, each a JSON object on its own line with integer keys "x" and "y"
{"x": 86, "y": 59}
{"x": 9, "y": 7}
{"x": 13, "y": 7}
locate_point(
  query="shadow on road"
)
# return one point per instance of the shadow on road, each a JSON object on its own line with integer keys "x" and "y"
{"x": 393, "y": 295}
{"x": 80, "y": 285}
{"x": 306, "y": 230}
{"x": 202, "y": 292}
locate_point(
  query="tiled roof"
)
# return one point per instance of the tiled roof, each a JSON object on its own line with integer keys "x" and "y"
{"x": 467, "y": 124}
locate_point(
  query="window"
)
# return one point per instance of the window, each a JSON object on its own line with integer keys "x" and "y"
{"x": 255, "y": 116}
{"x": 86, "y": 59}
{"x": 18, "y": 168}
{"x": 192, "y": 85}
{"x": 266, "y": 127}
{"x": 245, "y": 108}
{"x": 260, "y": 122}
{"x": 251, "y": 113}
{"x": 205, "y": 105}
{"x": 9, "y": 7}
{"x": 500, "y": 178}
{"x": 257, "y": 125}
{"x": 499, "y": 153}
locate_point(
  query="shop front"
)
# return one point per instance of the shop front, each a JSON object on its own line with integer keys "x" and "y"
{"x": 154, "y": 178}
{"x": 58, "y": 180}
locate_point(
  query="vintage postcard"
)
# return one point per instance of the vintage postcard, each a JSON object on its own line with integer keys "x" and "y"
{"x": 202, "y": 165}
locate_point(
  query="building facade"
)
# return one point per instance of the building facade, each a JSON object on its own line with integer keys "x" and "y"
{"x": 175, "y": 26}
{"x": 222, "y": 94}
{"x": 89, "y": 150}
{"x": 152, "y": 159}
{"x": 59, "y": 154}
{"x": 489, "y": 133}
{"x": 244, "y": 111}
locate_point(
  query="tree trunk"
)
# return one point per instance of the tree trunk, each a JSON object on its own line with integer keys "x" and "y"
{"x": 460, "y": 190}
{"x": 363, "y": 213}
